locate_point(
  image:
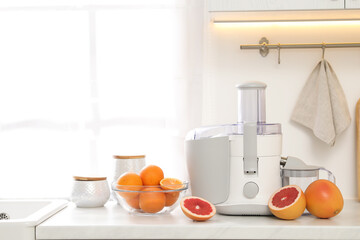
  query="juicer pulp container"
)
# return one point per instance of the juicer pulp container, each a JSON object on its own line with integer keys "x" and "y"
{"x": 296, "y": 172}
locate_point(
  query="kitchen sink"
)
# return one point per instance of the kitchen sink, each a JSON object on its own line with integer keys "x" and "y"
{"x": 19, "y": 217}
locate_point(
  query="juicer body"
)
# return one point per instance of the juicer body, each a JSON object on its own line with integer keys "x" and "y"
{"x": 237, "y": 167}
{"x": 216, "y": 171}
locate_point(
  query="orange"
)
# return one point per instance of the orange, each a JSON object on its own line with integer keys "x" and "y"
{"x": 129, "y": 181}
{"x": 133, "y": 202}
{"x": 171, "y": 198}
{"x": 151, "y": 175}
{"x": 197, "y": 209}
{"x": 152, "y": 200}
{"x": 324, "y": 199}
{"x": 288, "y": 202}
{"x": 171, "y": 184}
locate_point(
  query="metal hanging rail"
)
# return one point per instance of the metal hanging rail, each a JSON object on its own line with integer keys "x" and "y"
{"x": 301, "y": 45}
{"x": 264, "y": 46}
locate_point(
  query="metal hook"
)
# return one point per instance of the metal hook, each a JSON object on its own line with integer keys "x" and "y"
{"x": 278, "y": 53}
{"x": 264, "y": 49}
{"x": 323, "y": 50}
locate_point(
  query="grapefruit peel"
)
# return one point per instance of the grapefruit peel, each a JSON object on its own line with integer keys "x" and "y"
{"x": 288, "y": 202}
{"x": 324, "y": 199}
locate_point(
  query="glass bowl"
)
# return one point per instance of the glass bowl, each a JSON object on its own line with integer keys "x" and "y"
{"x": 149, "y": 200}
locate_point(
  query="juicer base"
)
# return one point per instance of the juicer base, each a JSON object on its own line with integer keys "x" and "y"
{"x": 243, "y": 209}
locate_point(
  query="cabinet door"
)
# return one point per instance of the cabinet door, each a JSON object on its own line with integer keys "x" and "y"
{"x": 352, "y": 4}
{"x": 273, "y": 5}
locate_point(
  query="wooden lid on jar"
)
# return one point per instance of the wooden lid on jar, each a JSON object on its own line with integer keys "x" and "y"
{"x": 128, "y": 157}
{"x": 80, "y": 178}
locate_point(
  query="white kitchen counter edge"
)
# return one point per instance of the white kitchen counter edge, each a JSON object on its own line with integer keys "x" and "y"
{"x": 112, "y": 222}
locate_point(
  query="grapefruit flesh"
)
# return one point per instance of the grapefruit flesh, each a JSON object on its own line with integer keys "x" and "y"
{"x": 288, "y": 202}
{"x": 285, "y": 197}
{"x": 324, "y": 199}
{"x": 197, "y": 209}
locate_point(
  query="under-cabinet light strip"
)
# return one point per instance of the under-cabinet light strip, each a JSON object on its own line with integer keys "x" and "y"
{"x": 285, "y": 20}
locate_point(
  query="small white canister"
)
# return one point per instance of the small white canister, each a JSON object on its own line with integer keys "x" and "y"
{"x": 90, "y": 192}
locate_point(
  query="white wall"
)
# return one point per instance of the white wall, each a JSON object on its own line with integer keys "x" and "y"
{"x": 226, "y": 65}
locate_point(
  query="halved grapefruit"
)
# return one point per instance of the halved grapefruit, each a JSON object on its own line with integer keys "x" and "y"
{"x": 288, "y": 202}
{"x": 197, "y": 209}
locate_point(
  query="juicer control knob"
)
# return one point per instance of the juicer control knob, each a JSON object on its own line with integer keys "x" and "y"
{"x": 250, "y": 190}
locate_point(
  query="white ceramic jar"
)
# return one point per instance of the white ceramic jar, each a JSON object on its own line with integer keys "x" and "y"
{"x": 126, "y": 163}
{"x": 133, "y": 163}
{"x": 90, "y": 192}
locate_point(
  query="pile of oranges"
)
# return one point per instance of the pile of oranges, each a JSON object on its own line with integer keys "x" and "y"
{"x": 147, "y": 190}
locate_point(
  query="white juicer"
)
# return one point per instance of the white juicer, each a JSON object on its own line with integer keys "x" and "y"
{"x": 237, "y": 166}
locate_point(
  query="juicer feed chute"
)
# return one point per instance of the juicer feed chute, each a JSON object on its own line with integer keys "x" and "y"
{"x": 237, "y": 166}
{"x": 251, "y": 102}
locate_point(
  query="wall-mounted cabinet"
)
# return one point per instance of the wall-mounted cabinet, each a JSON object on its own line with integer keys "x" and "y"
{"x": 280, "y": 5}
{"x": 283, "y": 10}
{"x": 352, "y": 4}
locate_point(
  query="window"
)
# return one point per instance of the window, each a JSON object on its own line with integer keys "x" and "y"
{"x": 81, "y": 82}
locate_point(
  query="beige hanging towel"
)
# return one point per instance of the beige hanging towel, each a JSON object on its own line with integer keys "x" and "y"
{"x": 322, "y": 104}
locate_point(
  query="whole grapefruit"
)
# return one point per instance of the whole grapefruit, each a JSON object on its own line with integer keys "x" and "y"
{"x": 323, "y": 199}
{"x": 287, "y": 202}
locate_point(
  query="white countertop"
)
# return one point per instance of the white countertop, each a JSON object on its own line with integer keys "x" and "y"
{"x": 112, "y": 222}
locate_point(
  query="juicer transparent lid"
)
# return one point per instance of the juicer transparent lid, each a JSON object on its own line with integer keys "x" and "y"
{"x": 231, "y": 129}
{"x": 251, "y": 109}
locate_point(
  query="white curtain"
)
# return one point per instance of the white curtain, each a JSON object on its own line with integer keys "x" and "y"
{"x": 81, "y": 81}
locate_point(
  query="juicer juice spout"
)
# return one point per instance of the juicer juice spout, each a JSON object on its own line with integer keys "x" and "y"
{"x": 251, "y": 112}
